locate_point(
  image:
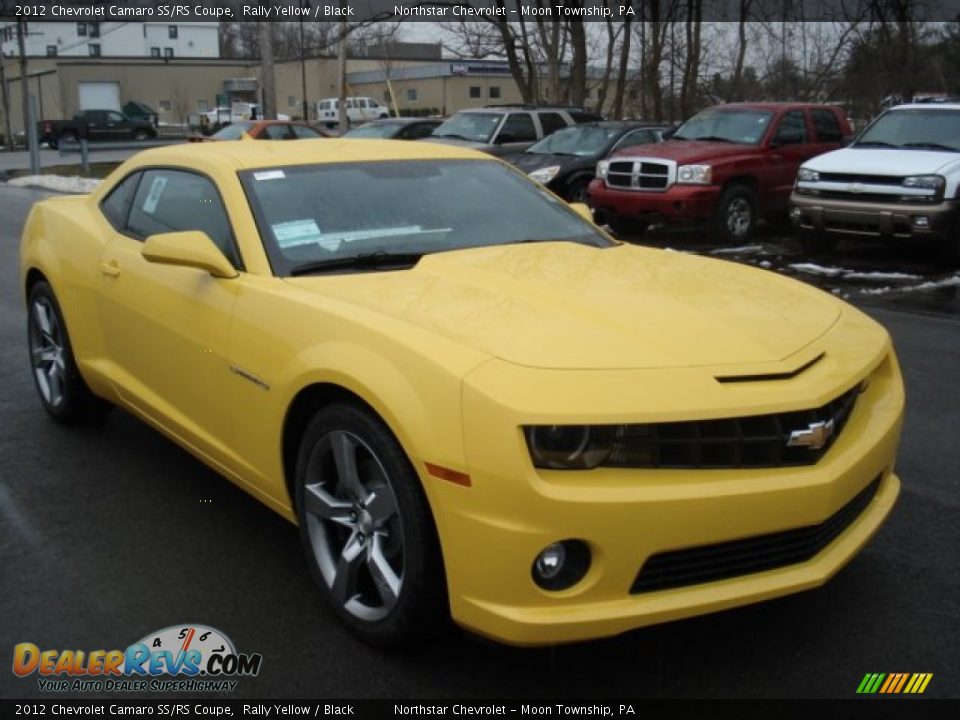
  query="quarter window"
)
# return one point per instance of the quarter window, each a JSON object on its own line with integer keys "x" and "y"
{"x": 115, "y": 205}
{"x": 551, "y": 122}
{"x": 175, "y": 200}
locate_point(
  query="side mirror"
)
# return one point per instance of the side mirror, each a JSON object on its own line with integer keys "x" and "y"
{"x": 190, "y": 248}
{"x": 583, "y": 211}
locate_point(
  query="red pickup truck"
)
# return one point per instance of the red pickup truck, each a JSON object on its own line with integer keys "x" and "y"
{"x": 729, "y": 165}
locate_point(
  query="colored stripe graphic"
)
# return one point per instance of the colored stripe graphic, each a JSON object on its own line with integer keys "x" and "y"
{"x": 894, "y": 683}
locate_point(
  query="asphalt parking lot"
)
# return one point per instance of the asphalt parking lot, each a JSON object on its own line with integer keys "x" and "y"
{"x": 114, "y": 532}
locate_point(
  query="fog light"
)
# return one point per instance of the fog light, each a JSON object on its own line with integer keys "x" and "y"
{"x": 921, "y": 221}
{"x": 795, "y": 213}
{"x": 561, "y": 564}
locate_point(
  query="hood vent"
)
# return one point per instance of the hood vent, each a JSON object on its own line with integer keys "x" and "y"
{"x": 770, "y": 376}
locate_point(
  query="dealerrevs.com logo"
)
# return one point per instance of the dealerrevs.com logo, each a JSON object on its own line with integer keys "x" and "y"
{"x": 187, "y": 658}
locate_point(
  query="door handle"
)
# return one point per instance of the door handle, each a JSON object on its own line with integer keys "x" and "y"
{"x": 111, "y": 268}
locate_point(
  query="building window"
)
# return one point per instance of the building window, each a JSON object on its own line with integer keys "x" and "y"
{"x": 154, "y": 52}
{"x": 81, "y": 29}
{"x": 203, "y": 106}
{"x": 168, "y": 52}
{"x": 165, "y": 105}
{"x": 94, "y": 29}
{"x": 412, "y": 94}
{"x": 475, "y": 91}
{"x": 494, "y": 92}
{"x": 172, "y": 32}
{"x": 51, "y": 50}
{"x": 94, "y": 50}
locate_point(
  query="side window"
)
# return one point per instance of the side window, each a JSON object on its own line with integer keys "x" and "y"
{"x": 418, "y": 130}
{"x": 302, "y": 132}
{"x": 176, "y": 200}
{"x": 792, "y": 129}
{"x": 115, "y": 205}
{"x": 115, "y": 117}
{"x": 827, "y": 126}
{"x": 518, "y": 127}
{"x": 551, "y": 122}
{"x": 637, "y": 137}
{"x": 276, "y": 132}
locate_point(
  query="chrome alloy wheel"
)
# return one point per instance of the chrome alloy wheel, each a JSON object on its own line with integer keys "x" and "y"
{"x": 354, "y": 526}
{"x": 47, "y": 352}
{"x": 739, "y": 217}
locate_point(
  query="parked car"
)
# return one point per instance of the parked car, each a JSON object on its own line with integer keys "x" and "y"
{"x": 359, "y": 109}
{"x": 95, "y": 125}
{"x": 728, "y": 165}
{"x": 262, "y": 130}
{"x": 566, "y": 160}
{"x": 472, "y": 401}
{"x": 899, "y": 179}
{"x": 506, "y": 129}
{"x": 395, "y": 129}
{"x": 237, "y": 112}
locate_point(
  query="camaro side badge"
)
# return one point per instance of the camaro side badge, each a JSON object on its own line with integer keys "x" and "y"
{"x": 814, "y": 436}
{"x": 247, "y": 376}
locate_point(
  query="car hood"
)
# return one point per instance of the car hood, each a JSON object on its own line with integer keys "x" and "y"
{"x": 686, "y": 151}
{"x": 570, "y": 306}
{"x": 884, "y": 161}
{"x": 528, "y": 162}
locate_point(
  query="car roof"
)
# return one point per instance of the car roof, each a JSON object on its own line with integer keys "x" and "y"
{"x": 927, "y": 106}
{"x": 788, "y": 105}
{"x": 402, "y": 120}
{"x": 247, "y": 155}
{"x": 625, "y": 124}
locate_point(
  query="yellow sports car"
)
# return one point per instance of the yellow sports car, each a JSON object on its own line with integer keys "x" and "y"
{"x": 472, "y": 401}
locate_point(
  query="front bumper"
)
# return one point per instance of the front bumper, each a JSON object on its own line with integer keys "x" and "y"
{"x": 874, "y": 220}
{"x": 676, "y": 203}
{"x": 492, "y": 531}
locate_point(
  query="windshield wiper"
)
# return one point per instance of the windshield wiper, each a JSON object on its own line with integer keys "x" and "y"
{"x": 375, "y": 260}
{"x": 456, "y": 136}
{"x": 713, "y": 138}
{"x": 930, "y": 146}
{"x": 875, "y": 143}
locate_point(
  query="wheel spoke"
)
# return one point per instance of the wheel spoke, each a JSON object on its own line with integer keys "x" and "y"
{"x": 345, "y": 581}
{"x": 43, "y": 320}
{"x": 55, "y": 381}
{"x": 381, "y": 505}
{"x": 345, "y": 457}
{"x": 384, "y": 578}
{"x": 326, "y": 507}
{"x": 43, "y": 356}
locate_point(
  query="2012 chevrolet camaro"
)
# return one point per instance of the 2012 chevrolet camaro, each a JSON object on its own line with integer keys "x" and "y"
{"x": 471, "y": 401}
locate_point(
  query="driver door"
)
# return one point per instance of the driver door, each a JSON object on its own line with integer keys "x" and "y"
{"x": 166, "y": 328}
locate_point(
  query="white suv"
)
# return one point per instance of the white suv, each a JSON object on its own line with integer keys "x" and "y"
{"x": 900, "y": 178}
{"x": 359, "y": 109}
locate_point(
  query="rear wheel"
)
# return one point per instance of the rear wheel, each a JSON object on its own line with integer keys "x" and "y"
{"x": 367, "y": 530}
{"x": 61, "y": 388}
{"x": 736, "y": 217}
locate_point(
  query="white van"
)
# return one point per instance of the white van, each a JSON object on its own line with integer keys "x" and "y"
{"x": 359, "y": 109}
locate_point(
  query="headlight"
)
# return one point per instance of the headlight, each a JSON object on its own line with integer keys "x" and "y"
{"x": 694, "y": 174}
{"x": 602, "y": 168}
{"x": 569, "y": 447}
{"x": 808, "y": 175}
{"x": 545, "y": 175}
{"x": 924, "y": 182}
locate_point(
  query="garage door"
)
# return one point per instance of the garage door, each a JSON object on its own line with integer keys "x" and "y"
{"x": 99, "y": 95}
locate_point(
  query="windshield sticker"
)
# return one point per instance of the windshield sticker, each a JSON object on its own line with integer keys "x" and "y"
{"x": 153, "y": 197}
{"x": 297, "y": 233}
{"x": 269, "y": 175}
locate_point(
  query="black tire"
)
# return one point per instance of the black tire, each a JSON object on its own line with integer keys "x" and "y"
{"x": 141, "y": 135}
{"x": 61, "y": 388}
{"x": 577, "y": 190}
{"x": 736, "y": 217}
{"x": 344, "y": 554}
{"x": 52, "y": 143}
{"x": 815, "y": 242}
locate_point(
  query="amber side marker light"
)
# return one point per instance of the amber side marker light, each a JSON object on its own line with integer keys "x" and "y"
{"x": 447, "y": 474}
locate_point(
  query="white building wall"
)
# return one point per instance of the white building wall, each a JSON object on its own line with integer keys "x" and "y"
{"x": 116, "y": 39}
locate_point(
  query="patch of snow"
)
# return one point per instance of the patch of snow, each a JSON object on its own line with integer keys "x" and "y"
{"x": 887, "y": 276}
{"x": 766, "y": 264}
{"x": 953, "y": 281}
{"x": 880, "y": 290}
{"x": 742, "y": 250}
{"x": 59, "y": 183}
{"x": 814, "y": 269}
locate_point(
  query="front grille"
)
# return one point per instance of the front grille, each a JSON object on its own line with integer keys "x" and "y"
{"x": 863, "y": 179}
{"x": 638, "y": 175}
{"x": 859, "y": 197}
{"x": 758, "y": 441}
{"x": 680, "y": 568}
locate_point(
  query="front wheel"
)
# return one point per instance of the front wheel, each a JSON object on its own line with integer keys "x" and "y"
{"x": 577, "y": 191}
{"x": 367, "y": 529}
{"x": 736, "y": 217}
{"x": 68, "y": 137}
{"x": 140, "y": 135}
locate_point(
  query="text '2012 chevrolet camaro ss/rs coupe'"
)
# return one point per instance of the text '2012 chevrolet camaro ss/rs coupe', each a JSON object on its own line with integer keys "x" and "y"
{"x": 473, "y": 403}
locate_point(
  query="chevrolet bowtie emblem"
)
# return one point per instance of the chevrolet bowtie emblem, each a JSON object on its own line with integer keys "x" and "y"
{"x": 855, "y": 188}
{"x": 814, "y": 436}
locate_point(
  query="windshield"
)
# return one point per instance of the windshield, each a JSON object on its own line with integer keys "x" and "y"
{"x": 374, "y": 130}
{"x": 915, "y": 127}
{"x": 474, "y": 126}
{"x": 233, "y": 132}
{"x": 583, "y": 141}
{"x": 320, "y": 213}
{"x": 736, "y": 126}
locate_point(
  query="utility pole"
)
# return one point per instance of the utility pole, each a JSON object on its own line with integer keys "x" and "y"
{"x": 5, "y": 99}
{"x": 24, "y": 87}
{"x": 342, "y": 75}
{"x": 303, "y": 74}
{"x": 269, "y": 109}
